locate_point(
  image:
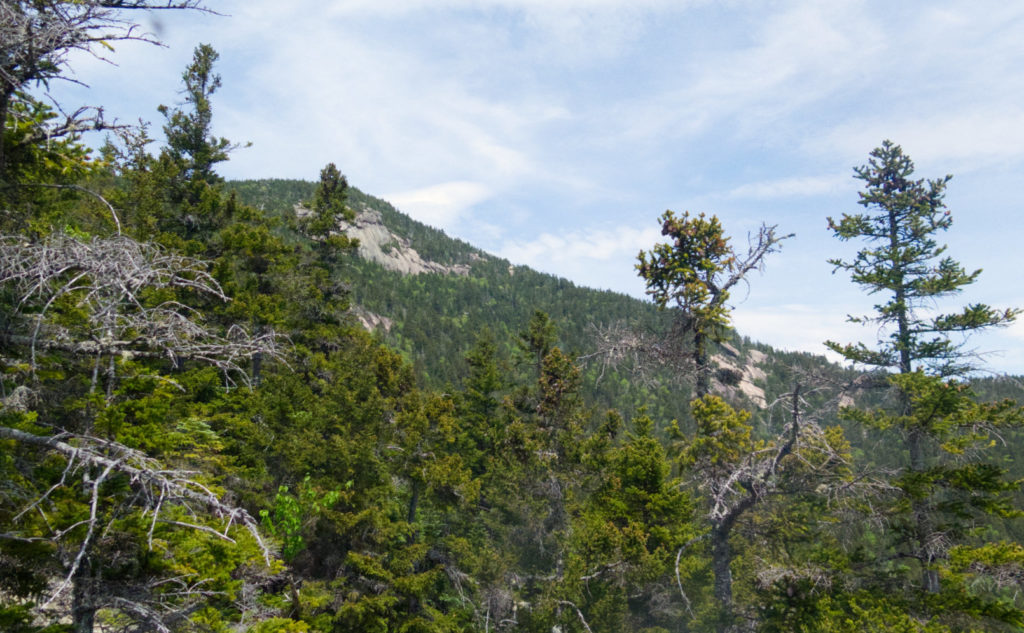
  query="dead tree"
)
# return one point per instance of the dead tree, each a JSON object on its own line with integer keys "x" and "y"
{"x": 735, "y": 474}
{"x": 108, "y": 281}
{"x": 104, "y": 301}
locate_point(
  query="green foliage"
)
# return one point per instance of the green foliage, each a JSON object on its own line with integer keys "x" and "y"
{"x": 722, "y": 441}
{"x": 905, "y": 262}
{"x": 328, "y": 207}
{"x": 951, "y": 495}
{"x": 461, "y": 471}
{"x": 687, "y": 272}
{"x": 190, "y": 142}
{"x": 291, "y": 513}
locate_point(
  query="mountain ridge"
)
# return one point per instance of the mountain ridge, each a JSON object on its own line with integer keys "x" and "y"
{"x": 429, "y": 295}
{"x": 408, "y": 275}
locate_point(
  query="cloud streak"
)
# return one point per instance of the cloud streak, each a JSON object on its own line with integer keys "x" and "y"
{"x": 442, "y": 206}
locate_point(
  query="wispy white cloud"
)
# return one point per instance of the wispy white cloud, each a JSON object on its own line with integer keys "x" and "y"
{"x": 441, "y": 206}
{"x": 510, "y": 119}
{"x": 805, "y": 328}
{"x": 964, "y": 140}
{"x": 583, "y": 246}
{"x": 798, "y": 327}
{"x": 792, "y": 187}
{"x": 596, "y": 257}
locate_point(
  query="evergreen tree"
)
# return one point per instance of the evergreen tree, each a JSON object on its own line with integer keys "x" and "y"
{"x": 904, "y": 263}
{"x": 192, "y": 150}
{"x": 694, "y": 273}
{"x": 946, "y": 488}
{"x": 329, "y": 208}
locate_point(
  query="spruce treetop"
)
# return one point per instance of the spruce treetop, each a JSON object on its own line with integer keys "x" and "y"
{"x": 904, "y": 262}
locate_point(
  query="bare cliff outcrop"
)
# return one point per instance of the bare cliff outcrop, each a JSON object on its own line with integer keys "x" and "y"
{"x": 378, "y": 244}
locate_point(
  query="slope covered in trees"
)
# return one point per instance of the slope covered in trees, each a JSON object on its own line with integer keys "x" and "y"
{"x": 198, "y": 433}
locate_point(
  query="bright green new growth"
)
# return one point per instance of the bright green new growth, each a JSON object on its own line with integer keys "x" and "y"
{"x": 688, "y": 272}
{"x": 293, "y": 511}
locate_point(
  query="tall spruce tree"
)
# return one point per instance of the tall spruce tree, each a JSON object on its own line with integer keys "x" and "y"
{"x": 905, "y": 263}
{"x": 946, "y": 490}
{"x": 193, "y": 150}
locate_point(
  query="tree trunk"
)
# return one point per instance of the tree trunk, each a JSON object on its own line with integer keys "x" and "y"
{"x": 414, "y": 502}
{"x": 915, "y": 435}
{"x": 83, "y": 603}
{"x": 3, "y": 155}
{"x": 922, "y": 518}
{"x": 721, "y": 556}
{"x": 700, "y": 360}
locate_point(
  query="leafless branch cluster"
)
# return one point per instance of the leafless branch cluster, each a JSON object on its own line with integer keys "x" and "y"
{"x": 759, "y": 246}
{"x": 37, "y": 39}
{"x": 769, "y": 575}
{"x": 38, "y": 36}
{"x": 154, "y": 491}
{"x": 112, "y": 282}
{"x": 623, "y": 345}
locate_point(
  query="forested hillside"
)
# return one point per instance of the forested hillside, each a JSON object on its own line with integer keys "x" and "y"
{"x": 285, "y": 407}
{"x": 434, "y": 318}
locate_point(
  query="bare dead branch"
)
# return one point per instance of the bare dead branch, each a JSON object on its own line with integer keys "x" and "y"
{"x": 157, "y": 487}
{"x": 109, "y": 280}
{"x": 579, "y": 613}
{"x": 679, "y": 579}
{"x": 39, "y": 36}
{"x": 765, "y": 243}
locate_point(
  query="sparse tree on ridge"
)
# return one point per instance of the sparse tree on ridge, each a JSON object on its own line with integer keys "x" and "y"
{"x": 694, "y": 273}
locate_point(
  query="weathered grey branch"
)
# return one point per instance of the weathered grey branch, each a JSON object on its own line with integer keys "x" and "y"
{"x": 766, "y": 243}
{"x": 158, "y": 485}
{"x": 156, "y": 490}
{"x": 579, "y": 613}
{"x": 679, "y": 579}
{"x": 109, "y": 279}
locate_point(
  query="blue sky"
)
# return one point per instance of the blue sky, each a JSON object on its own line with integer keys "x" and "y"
{"x": 555, "y": 132}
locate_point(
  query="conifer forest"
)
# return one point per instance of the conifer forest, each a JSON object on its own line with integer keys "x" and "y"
{"x": 226, "y": 408}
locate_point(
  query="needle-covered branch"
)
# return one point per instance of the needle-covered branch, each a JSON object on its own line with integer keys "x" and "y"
{"x": 158, "y": 493}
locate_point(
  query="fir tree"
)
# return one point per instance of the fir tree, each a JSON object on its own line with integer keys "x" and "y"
{"x": 945, "y": 488}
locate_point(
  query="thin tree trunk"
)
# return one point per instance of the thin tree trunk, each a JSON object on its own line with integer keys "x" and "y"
{"x": 5, "y": 106}
{"x": 414, "y": 501}
{"x": 83, "y": 604}
{"x": 721, "y": 556}
{"x": 702, "y": 363}
{"x": 916, "y": 435}
{"x": 922, "y": 519}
